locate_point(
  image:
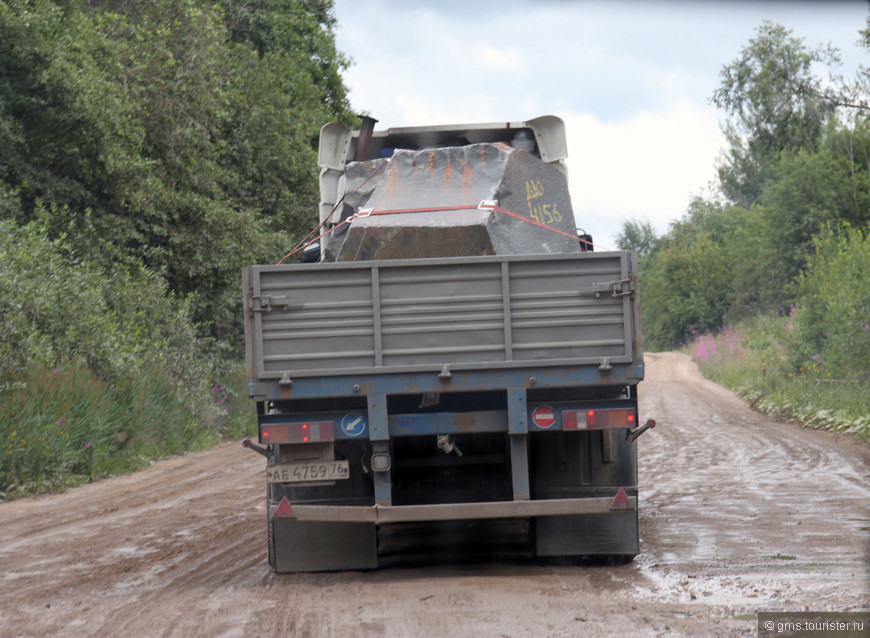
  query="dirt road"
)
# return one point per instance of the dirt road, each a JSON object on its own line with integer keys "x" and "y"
{"x": 739, "y": 514}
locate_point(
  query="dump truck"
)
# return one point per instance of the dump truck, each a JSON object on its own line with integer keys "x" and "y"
{"x": 448, "y": 348}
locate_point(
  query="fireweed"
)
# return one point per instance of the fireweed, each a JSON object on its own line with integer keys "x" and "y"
{"x": 753, "y": 359}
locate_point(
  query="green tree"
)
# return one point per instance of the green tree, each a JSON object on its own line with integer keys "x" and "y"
{"x": 797, "y": 162}
{"x": 704, "y": 217}
{"x": 685, "y": 290}
{"x": 178, "y": 134}
{"x": 808, "y": 191}
{"x": 753, "y": 290}
{"x": 832, "y": 321}
{"x": 57, "y": 310}
{"x": 775, "y": 102}
{"x": 303, "y": 29}
{"x": 637, "y": 235}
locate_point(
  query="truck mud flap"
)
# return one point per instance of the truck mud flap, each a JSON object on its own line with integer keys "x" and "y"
{"x": 306, "y": 546}
{"x": 611, "y": 535}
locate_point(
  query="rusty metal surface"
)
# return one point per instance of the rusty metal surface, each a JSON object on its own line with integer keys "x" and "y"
{"x": 423, "y": 183}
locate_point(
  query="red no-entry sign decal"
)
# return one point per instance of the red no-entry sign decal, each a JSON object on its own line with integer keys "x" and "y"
{"x": 544, "y": 417}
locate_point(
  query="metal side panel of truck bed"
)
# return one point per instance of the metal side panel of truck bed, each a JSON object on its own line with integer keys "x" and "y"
{"x": 473, "y": 313}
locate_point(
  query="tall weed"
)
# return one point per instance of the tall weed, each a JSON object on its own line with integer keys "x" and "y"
{"x": 99, "y": 372}
{"x": 64, "y": 427}
{"x": 753, "y": 359}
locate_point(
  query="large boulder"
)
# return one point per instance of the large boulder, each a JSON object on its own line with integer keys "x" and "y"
{"x": 427, "y": 203}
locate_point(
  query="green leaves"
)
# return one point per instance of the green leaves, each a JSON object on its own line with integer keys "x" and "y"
{"x": 684, "y": 289}
{"x": 776, "y": 103}
{"x": 637, "y": 235}
{"x": 832, "y": 319}
{"x": 149, "y": 151}
{"x": 808, "y": 191}
{"x": 797, "y": 163}
{"x": 176, "y": 134}
{"x": 56, "y": 310}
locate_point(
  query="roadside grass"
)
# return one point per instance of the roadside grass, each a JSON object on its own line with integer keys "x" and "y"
{"x": 64, "y": 427}
{"x": 753, "y": 360}
{"x": 101, "y": 371}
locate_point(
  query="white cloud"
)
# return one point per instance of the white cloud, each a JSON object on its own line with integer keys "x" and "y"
{"x": 646, "y": 167}
{"x": 499, "y": 59}
{"x": 413, "y": 110}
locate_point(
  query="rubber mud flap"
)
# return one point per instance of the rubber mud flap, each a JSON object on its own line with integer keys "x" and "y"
{"x": 611, "y": 534}
{"x": 319, "y": 546}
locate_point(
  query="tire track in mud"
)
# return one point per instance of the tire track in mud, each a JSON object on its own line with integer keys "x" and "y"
{"x": 738, "y": 513}
{"x": 761, "y": 503}
{"x": 123, "y": 552}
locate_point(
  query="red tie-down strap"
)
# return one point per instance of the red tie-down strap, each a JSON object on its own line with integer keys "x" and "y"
{"x": 484, "y": 205}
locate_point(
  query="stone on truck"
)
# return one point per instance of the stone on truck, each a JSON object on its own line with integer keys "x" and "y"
{"x": 474, "y": 199}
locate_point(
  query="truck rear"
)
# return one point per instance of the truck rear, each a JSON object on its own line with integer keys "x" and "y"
{"x": 413, "y": 375}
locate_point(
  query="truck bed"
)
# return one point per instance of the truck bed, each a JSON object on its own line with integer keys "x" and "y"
{"x": 493, "y": 313}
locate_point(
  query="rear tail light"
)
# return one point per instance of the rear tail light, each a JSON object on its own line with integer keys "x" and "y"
{"x": 301, "y": 432}
{"x": 599, "y": 419}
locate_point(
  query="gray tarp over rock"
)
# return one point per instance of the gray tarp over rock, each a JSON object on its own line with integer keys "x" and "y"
{"x": 534, "y": 194}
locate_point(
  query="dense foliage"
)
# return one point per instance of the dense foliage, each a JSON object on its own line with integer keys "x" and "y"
{"x": 99, "y": 372}
{"x": 831, "y": 319}
{"x": 58, "y": 310}
{"x": 148, "y": 151}
{"x": 178, "y": 135}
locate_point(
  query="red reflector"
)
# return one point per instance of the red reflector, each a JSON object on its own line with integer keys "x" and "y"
{"x": 284, "y": 510}
{"x": 620, "y": 501}
{"x": 620, "y": 418}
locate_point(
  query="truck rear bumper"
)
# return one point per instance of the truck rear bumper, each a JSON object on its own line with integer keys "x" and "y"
{"x": 384, "y": 514}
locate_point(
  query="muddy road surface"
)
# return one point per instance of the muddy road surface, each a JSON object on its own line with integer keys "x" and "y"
{"x": 738, "y": 514}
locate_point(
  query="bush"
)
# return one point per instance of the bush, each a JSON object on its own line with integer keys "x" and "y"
{"x": 98, "y": 374}
{"x": 832, "y": 317}
{"x": 66, "y": 427}
{"x": 57, "y": 309}
{"x": 752, "y": 359}
{"x": 684, "y": 288}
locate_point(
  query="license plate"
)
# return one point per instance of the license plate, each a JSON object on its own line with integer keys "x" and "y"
{"x": 308, "y": 472}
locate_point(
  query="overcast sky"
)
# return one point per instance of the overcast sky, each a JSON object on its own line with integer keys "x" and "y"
{"x": 631, "y": 79}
